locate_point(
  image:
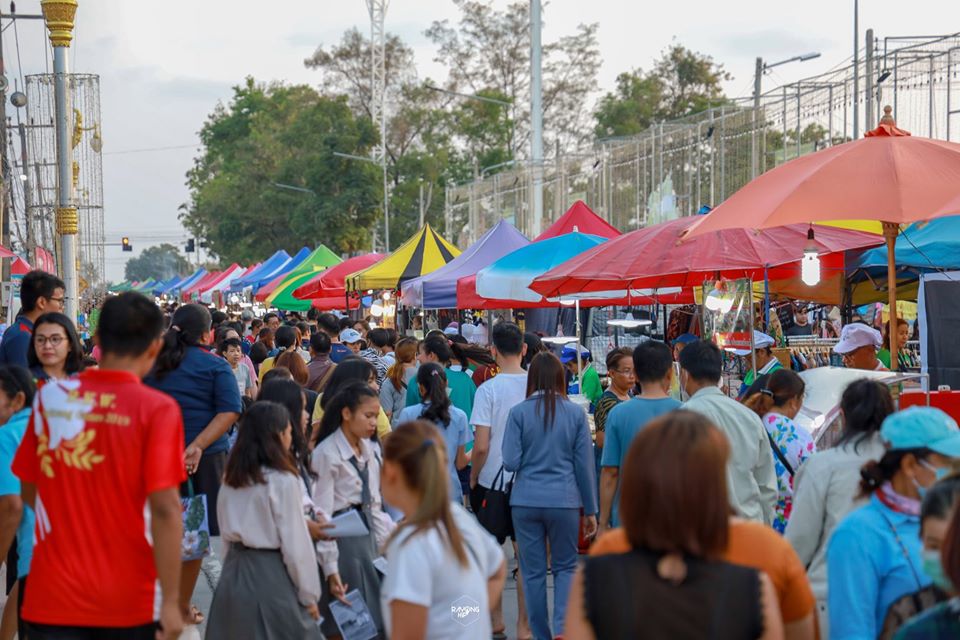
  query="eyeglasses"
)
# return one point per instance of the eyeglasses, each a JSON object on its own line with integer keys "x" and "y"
{"x": 630, "y": 373}
{"x": 53, "y": 341}
{"x": 59, "y": 301}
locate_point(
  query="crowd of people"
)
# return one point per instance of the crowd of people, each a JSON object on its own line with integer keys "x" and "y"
{"x": 342, "y": 465}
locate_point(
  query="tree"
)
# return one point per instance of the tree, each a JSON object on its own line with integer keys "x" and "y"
{"x": 432, "y": 138}
{"x": 278, "y": 134}
{"x": 160, "y": 262}
{"x": 490, "y": 50}
{"x": 681, "y": 82}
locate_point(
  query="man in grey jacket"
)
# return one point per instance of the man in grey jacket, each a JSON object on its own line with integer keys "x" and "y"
{"x": 751, "y": 477}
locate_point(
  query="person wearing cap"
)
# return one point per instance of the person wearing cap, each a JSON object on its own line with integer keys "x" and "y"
{"x": 767, "y": 363}
{"x": 351, "y": 338}
{"x": 858, "y": 347}
{"x": 452, "y": 329}
{"x": 874, "y": 555}
{"x": 591, "y": 387}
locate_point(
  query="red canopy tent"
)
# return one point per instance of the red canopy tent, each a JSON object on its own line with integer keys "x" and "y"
{"x": 579, "y": 217}
{"x": 331, "y": 282}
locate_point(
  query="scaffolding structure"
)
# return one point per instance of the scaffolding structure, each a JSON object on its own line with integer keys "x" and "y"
{"x": 39, "y": 174}
{"x": 675, "y": 168}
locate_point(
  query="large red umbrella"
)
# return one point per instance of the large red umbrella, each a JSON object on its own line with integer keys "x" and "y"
{"x": 889, "y": 176}
{"x": 657, "y": 257}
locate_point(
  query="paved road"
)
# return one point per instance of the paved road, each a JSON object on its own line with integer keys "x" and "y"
{"x": 203, "y": 595}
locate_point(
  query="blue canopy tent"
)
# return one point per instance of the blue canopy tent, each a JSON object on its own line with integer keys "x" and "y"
{"x": 187, "y": 282}
{"x": 291, "y": 264}
{"x": 271, "y": 264}
{"x": 922, "y": 247}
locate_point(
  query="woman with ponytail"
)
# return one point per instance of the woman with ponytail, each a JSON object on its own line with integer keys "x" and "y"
{"x": 444, "y": 570}
{"x": 874, "y": 555}
{"x": 393, "y": 391}
{"x": 347, "y": 466}
{"x": 547, "y": 445}
{"x": 437, "y": 408}
{"x": 436, "y": 348}
{"x": 778, "y": 403}
{"x": 204, "y": 386}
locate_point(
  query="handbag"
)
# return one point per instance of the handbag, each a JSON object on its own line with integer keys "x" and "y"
{"x": 494, "y": 513}
{"x": 196, "y": 527}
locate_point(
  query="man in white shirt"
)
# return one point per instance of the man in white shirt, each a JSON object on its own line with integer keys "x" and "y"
{"x": 751, "y": 478}
{"x": 493, "y": 402}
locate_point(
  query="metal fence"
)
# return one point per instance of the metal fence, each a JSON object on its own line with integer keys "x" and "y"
{"x": 674, "y": 168}
{"x": 40, "y": 176}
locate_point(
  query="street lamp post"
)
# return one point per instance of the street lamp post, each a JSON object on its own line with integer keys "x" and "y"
{"x": 473, "y": 96}
{"x": 761, "y": 68}
{"x": 59, "y": 17}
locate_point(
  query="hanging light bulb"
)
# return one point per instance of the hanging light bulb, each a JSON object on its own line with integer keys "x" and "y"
{"x": 810, "y": 265}
{"x": 718, "y": 299}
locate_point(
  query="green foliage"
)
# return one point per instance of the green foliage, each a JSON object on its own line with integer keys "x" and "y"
{"x": 681, "y": 82}
{"x": 159, "y": 262}
{"x": 280, "y": 134}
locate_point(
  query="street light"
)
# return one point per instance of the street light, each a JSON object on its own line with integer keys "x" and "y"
{"x": 290, "y": 187}
{"x": 473, "y": 96}
{"x": 761, "y": 68}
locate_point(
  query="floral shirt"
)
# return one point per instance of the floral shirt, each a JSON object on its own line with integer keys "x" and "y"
{"x": 796, "y": 445}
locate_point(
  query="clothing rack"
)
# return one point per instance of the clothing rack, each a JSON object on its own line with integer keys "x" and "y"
{"x": 808, "y": 352}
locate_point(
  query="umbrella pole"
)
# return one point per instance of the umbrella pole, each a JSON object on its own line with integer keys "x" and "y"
{"x": 890, "y": 231}
{"x": 576, "y": 304}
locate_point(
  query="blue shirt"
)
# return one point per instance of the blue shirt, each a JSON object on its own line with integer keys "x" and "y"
{"x": 455, "y": 435}
{"x": 623, "y": 423}
{"x": 16, "y": 342}
{"x": 11, "y": 435}
{"x": 203, "y": 385}
{"x": 553, "y": 465}
{"x": 339, "y": 351}
{"x": 868, "y": 569}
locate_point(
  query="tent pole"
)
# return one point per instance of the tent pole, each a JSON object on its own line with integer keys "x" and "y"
{"x": 890, "y": 231}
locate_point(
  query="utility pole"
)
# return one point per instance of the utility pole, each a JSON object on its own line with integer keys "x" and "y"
{"x": 536, "y": 115}
{"x": 378, "y": 80}
{"x": 4, "y": 161}
{"x": 868, "y": 120}
{"x": 27, "y": 195}
{"x": 59, "y": 16}
{"x": 856, "y": 69}
{"x": 754, "y": 146}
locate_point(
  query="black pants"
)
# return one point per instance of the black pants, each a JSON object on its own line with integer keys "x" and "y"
{"x": 57, "y": 632}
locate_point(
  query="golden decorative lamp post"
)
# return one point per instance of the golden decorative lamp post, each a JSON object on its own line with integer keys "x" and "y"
{"x": 59, "y": 18}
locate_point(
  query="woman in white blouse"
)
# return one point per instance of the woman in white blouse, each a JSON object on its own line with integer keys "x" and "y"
{"x": 347, "y": 464}
{"x": 443, "y": 569}
{"x": 269, "y": 585}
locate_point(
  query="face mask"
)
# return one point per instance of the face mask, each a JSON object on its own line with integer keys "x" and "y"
{"x": 921, "y": 490}
{"x": 939, "y": 472}
{"x": 933, "y": 567}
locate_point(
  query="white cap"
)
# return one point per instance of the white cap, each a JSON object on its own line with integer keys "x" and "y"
{"x": 349, "y": 336}
{"x": 760, "y": 341}
{"x": 856, "y": 335}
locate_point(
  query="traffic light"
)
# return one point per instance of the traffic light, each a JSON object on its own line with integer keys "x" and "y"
{"x": 125, "y": 242}
{"x": 191, "y": 246}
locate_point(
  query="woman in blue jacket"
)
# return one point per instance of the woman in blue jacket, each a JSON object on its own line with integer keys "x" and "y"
{"x": 874, "y": 555}
{"x": 204, "y": 386}
{"x": 547, "y": 446}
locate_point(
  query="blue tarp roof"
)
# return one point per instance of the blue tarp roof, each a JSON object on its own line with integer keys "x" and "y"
{"x": 291, "y": 264}
{"x": 921, "y": 248}
{"x": 187, "y": 282}
{"x": 272, "y": 263}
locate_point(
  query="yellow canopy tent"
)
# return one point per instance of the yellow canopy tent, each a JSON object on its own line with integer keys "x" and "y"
{"x": 426, "y": 251}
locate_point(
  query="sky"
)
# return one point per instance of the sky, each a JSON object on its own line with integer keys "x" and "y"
{"x": 165, "y": 65}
